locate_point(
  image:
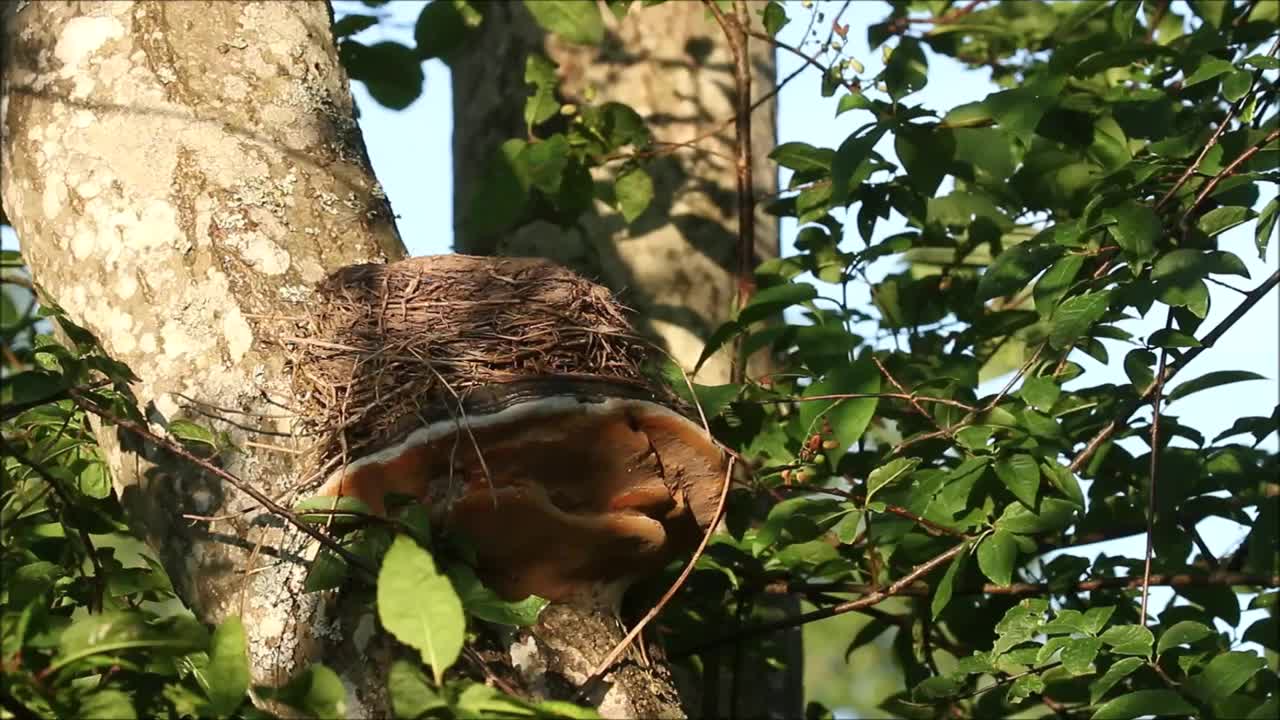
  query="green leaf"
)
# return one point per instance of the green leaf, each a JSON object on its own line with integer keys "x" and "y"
{"x": 1118, "y": 671}
{"x": 485, "y": 604}
{"x": 1129, "y": 639}
{"x": 189, "y": 432}
{"x": 1054, "y": 514}
{"x": 1096, "y": 617}
{"x": 443, "y": 28}
{"x": 1161, "y": 703}
{"x": 890, "y": 472}
{"x": 852, "y": 163}
{"x": 327, "y": 572}
{"x": 411, "y": 696}
{"x": 540, "y": 73}
{"x": 114, "y": 704}
{"x": 1220, "y": 220}
{"x": 227, "y": 673}
{"x": 30, "y": 387}
{"x": 1020, "y": 110}
{"x": 942, "y": 594}
{"x": 996, "y": 556}
{"x": 634, "y": 191}
{"x": 1182, "y": 633}
{"x": 906, "y": 70}
{"x": 852, "y": 101}
{"x": 1211, "y": 380}
{"x": 545, "y": 163}
{"x": 1075, "y": 316}
{"x": 112, "y": 632}
{"x": 847, "y": 418}
{"x": 1055, "y": 283}
{"x": 775, "y": 18}
{"x": 391, "y": 72}
{"x": 352, "y": 24}
{"x": 1138, "y": 365}
{"x": 340, "y": 510}
{"x": 419, "y": 607}
{"x": 1236, "y": 84}
{"x": 1040, "y": 393}
{"x": 317, "y": 691}
{"x": 802, "y": 157}
{"x": 1266, "y": 227}
{"x": 575, "y": 21}
{"x": 770, "y": 301}
{"x": 1209, "y": 69}
{"x": 502, "y": 198}
{"x": 1224, "y": 675}
{"x": 1014, "y": 268}
{"x": 1064, "y": 480}
{"x": 1170, "y": 338}
{"x": 926, "y": 153}
{"x": 1136, "y": 230}
{"x": 1021, "y": 475}
{"x": 1079, "y": 653}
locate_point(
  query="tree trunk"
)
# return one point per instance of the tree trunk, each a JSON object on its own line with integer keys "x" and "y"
{"x": 676, "y": 265}
{"x": 177, "y": 173}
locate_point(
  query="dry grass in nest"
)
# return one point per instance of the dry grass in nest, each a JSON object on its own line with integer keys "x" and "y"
{"x": 385, "y": 348}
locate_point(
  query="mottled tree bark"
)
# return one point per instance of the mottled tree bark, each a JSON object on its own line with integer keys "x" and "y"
{"x": 177, "y": 172}
{"x": 677, "y": 264}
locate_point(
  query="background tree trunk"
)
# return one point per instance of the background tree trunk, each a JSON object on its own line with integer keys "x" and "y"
{"x": 178, "y": 173}
{"x": 676, "y": 264}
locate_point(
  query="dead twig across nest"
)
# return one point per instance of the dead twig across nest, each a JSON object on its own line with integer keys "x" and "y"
{"x": 381, "y": 342}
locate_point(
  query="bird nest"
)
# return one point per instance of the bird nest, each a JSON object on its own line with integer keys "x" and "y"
{"x": 388, "y": 348}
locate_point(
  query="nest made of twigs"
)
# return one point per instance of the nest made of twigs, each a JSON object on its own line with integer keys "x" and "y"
{"x": 384, "y": 348}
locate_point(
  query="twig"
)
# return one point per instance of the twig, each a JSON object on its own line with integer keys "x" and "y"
{"x": 860, "y": 396}
{"x": 1226, "y": 172}
{"x": 873, "y": 598}
{"x": 1156, "y": 397}
{"x": 604, "y": 665}
{"x": 1006, "y": 680}
{"x": 244, "y": 487}
{"x": 852, "y": 86}
{"x": 1213, "y": 139}
{"x": 1212, "y": 579}
{"x": 1016, "y": 376}
{"x": 1207, "y": 342}
{"x": 910, "y": 398}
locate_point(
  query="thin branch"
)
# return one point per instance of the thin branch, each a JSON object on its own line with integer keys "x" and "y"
{"x": 852, "y": 86}
{"x": 270, "y": 505}
{"x": 1006, "y": 680}
{"x": 1105, "y": 433}
{"x": 1177, "y": 580}
{"x": 860, "y": 396}
{"x": 604, "y": 665}
{"x": 1227, "y": 172}
{"x": 1156, "y": 397}
{"x": 910, "y": 398}
{"x": 898, "y": 587}
{"x": 1213, "y": 139}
